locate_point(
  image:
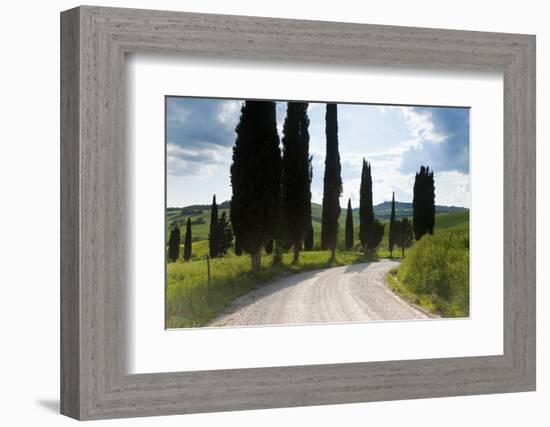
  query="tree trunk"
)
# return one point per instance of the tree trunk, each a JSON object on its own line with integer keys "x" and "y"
{"x": 403, "y": 252}
{"x": 256, "y": 258}
{"x": 333, "y": 252}
{"x": 296, "y": 253}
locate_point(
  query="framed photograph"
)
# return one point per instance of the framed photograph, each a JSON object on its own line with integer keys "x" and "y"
{"x": 262, "y": 213}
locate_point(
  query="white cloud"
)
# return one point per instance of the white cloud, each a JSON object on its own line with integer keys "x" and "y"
{"x": 229, "y": 113}
{"x": 188, "y": 161}
{"x": 421, "y": 126}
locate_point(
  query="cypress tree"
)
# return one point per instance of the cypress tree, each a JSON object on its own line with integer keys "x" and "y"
{"x": 296, "y": 176}
{"x": 213, "y": 237}
{"x": 366, "y": 210}
{"x": 375, "y": 235}
{"x": 403, "y": 234}
{"x": 256, "y": 178}
{"x": 308, "y": 241}
{"x": 349, "y": 227}
{"x": 238, "y": 248}
{"x": 430, "y": 202}
{"x": 174, "y": 244}
{"x": 188, "y": 241}
{"x": 332, "y": 183}
{"x": 391, "y": 235}
{"x": 225, "y": 235}
{"x": 423, "y": 203}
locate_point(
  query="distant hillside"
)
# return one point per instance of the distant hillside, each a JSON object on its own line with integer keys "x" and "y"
{"x": 200, "y": 216}
{"x": 402, "y": 209}
{"x": 382, "y": 211}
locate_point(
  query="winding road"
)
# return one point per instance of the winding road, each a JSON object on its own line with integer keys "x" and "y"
{"x": 352, "y": 293}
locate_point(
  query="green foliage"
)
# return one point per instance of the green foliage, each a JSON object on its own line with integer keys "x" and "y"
{"x": 174, "y": 244}
{"x": 296, "y": 175}
{"x": 403, "y": 234}
{"x": 191, "y": 303}
{"x": 332, "y": 182}
{"x": 436, "y": 270}
{"x": 376, "y": 233}
{"x": 256, "y": 178}
{"x": 349, "y": 227}
{"x": 423, "y": 203}
{"x": 188, "y": 241}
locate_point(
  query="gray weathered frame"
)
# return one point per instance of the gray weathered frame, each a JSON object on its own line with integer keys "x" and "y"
{"x": 94, "y": 41}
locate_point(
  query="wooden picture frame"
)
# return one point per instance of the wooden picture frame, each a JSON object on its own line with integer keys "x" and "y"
{"x": 94, "y": 41}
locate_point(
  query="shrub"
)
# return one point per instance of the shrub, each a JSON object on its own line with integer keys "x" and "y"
{"x": 437, "y": 268}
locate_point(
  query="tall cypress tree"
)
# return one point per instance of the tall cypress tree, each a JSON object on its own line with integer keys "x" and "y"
{"x": 188, "y": 241}
{"x": 308, "y": 240}
{"x": 423, "y": 203}
{"x": 174, "y": 244}
{"x": 213, "y": 237}
{"x": 349, "y": 227}
{"x": 366, "y": 210}
{"x": 332, "y": 183}
{"x": 296, "y": 176}
{"x": 225, "y": 235}
{"x": 256, "y": 178}
{"x": 238, "y": 247}
{"x": 391, "y": 236}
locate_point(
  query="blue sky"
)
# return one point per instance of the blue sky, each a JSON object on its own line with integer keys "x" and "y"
{"x": 396, "y": 140}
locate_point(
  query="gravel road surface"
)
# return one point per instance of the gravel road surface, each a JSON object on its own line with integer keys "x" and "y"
{"x": 351, "y": 293}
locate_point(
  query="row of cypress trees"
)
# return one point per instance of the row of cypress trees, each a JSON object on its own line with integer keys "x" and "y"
{"x": 371, "y": 231}
{"x": 271, "y": 191}
{"x": 220, "y": 236}
{"x": 174, "y": 243}
{"x": 401, "y": 231}
{"x": 271, "y": 196}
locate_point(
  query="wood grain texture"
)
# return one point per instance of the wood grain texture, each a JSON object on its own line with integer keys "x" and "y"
{"x": 70, "y": 291}
{"x": 94, "y": 272}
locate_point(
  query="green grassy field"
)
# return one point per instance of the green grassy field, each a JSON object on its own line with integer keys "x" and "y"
{"x": 191, "y": 303}
{"x": 444, "y": 221}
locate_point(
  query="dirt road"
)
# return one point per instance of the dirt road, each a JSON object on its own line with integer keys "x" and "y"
{"x": 350, "y": 293}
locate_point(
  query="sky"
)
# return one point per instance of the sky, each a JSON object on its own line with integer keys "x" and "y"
{"x": 396, "y": 140}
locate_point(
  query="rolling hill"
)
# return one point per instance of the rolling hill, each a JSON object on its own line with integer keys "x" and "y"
{"x": 447, "y": 217}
